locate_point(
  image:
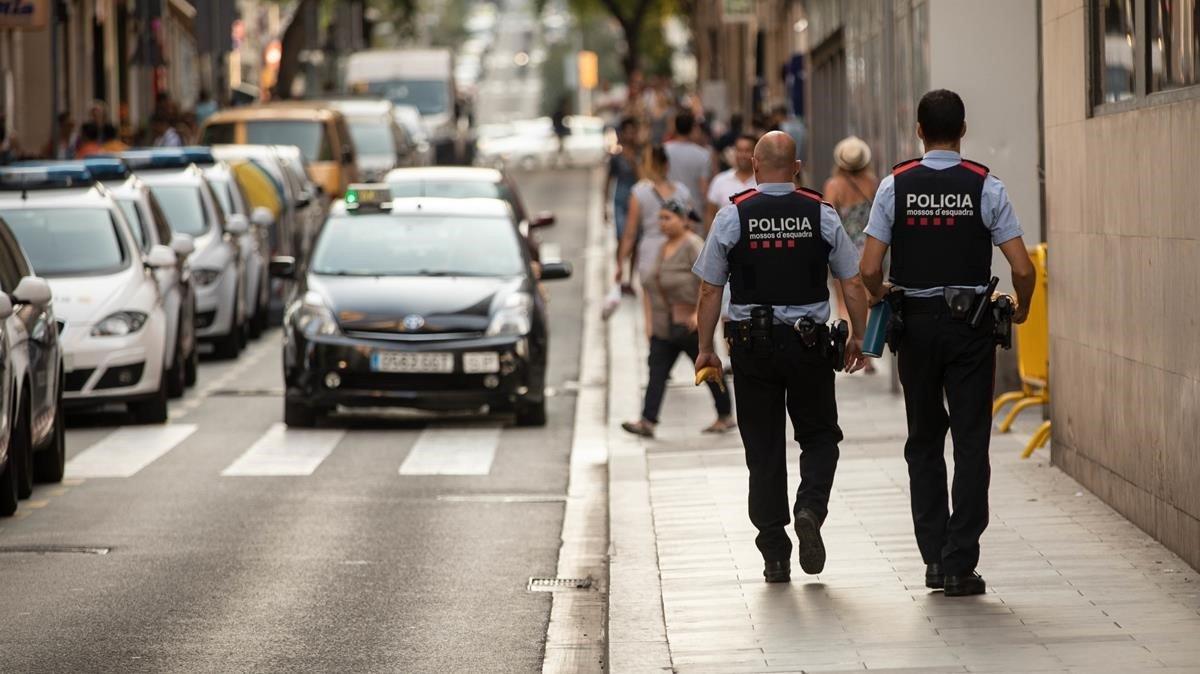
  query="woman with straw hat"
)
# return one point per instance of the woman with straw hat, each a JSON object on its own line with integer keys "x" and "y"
{"x": 851, "y": 190}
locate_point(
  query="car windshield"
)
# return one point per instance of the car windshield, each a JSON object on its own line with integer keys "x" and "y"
{"x": 184, "y": 208}
{"x": 428, "y": 96}
{"x": 450, "y": 189}
{"x": 387, "y": 245}
{"x": 68, "y": 241}
{"x": 130, "y": 210}
{"x": 308, "y": 136}
{"x": 372, "y": 138}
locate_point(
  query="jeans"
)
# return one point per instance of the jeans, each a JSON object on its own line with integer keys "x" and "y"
{"x": 663, "y": 354}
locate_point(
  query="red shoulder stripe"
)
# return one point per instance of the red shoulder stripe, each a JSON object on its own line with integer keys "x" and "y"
{"x": 813, "y": 194}
{"x": 742, "y": 196}
{"x": 975, "y": 167}
{"x": 904, "y": 166}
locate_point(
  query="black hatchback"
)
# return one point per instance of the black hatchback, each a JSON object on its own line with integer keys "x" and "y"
{"x": 426, "y": 303}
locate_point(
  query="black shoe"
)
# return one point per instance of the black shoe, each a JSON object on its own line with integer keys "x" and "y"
{"x": 777, "y": 572}
{"x": 935, "y": 578}
{"x": 812, "y": 548}
{"x": 965, "y": 586}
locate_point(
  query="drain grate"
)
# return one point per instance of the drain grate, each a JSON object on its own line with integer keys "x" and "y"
{"x": 556, "y": 584}
{"x": 54, "y": 549}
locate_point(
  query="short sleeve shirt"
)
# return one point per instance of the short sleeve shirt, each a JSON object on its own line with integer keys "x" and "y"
{"x": 713, "y": 264}
{"x": 726, "y": 184}
{"x": 995, "y": 207}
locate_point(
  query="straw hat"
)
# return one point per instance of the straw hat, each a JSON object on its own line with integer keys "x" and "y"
{"x": 852, "y": 154}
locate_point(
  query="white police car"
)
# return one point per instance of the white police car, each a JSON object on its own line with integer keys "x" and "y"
{"x": 110, "y": 310}
{"x": 187, "y": 199}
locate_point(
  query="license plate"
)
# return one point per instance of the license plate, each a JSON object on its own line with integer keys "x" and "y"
{"x": 481, "y": 362}
{"x": 399, "y": 361}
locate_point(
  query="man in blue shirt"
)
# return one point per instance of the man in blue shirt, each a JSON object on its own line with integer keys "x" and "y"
{"x": 941, "y": 215}
{"x": 775, "y": 246}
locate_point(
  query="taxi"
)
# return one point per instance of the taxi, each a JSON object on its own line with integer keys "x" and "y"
{"x": 425, "y": 303}
{"x": 318, "y": 130}
{"x": 107, "y": 302}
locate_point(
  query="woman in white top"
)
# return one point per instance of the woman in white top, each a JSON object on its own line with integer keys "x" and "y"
{"x": 641, "y": 226}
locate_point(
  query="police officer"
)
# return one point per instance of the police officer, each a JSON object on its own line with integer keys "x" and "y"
{"x": 775, "y": 246}
{"x": 941, "y": 215}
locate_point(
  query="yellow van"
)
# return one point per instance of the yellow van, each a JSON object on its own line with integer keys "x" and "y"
{"x": 319, "y": 131}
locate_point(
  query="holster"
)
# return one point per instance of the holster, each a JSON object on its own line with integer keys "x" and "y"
{"x": 839, "y": 335}
{"x": 1002, "y": 315}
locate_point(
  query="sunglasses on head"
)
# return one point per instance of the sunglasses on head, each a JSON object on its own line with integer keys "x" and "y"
{"x": 681, "y": 209}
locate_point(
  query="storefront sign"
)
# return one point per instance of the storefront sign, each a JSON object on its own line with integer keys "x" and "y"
{"x": 737, "y": 11}
{"x": 24, "y": 14}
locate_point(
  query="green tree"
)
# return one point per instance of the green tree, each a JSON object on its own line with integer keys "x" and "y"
{"x": 637, "y": 18}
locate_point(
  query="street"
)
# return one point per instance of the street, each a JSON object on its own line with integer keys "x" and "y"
{"x": 384, "y": 541}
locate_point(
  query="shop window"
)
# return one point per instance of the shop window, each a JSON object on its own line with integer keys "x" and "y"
{"x": 1115, "y": 41}
{"x": 1143, "y": 52}
{"x": 1174, "y": 44}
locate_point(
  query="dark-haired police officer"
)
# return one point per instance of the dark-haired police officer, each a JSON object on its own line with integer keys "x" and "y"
{"x": 941, "y": 215}
{"x": 775, "y": 246}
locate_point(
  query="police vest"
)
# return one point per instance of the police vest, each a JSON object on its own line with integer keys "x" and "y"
{"x": 781, "y": 258}
{"x": 939, "y": 237}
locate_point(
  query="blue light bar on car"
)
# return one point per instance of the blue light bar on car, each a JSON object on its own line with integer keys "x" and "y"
{"x": 46, "y": 177}
{"x": 158, "y": 158}
{"x": 199, "y": 154}
{"x": 107, "y": 168}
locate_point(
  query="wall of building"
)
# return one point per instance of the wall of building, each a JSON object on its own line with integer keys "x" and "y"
{"x": 1121, "y": 204}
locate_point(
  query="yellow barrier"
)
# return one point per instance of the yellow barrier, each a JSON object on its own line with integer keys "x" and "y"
{"x": 1033, "y": 359}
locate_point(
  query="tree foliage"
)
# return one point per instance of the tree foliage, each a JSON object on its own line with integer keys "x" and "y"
{"x": 640, "y": 22}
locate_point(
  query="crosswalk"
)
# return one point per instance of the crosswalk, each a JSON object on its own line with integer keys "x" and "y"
{"x": 467, "y": 449}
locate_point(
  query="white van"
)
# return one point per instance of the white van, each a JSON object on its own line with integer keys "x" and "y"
{"x": 423, "y": 78}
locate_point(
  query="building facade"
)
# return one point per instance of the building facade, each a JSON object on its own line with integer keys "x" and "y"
{"x": 1122, "y": 130}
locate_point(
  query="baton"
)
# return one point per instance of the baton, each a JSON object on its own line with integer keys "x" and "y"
{"x": 984, "y": 302}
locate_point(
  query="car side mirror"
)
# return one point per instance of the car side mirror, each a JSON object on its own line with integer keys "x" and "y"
{"x": 6, "y": 307}
{"x": 543, "y": 219}
{"x": 183, "y": 244}
{"x": 303, "y": 198}
{"x": 237, "y": 224}
{"x": 552, "y": 271}
{"x": 160, "y": 257}
{"x": 283, "y": 266}
{"x": 32, "y": 290}
{"x": 262, "y": 217}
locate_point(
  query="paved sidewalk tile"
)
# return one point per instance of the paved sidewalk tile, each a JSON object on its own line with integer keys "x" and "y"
{"x": 1072, "y": 586}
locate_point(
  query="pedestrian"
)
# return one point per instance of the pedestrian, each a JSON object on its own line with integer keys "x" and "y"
{"x": 558, "y": 121}
{"x": 62, "y": 146}
{"x": 672, "y": 289}
{"x": 165, "y": 134}
{"x": 775, "y": 246}
{"x": 734, "y": 181}
{"x": 641, "y": 225}
{"x": 851, "y": 190}
{"x": 89, "y": 141}
{"x": 691, "y": 162}
{"x": 941, "y": 215}
{"x": 622, "y": 176}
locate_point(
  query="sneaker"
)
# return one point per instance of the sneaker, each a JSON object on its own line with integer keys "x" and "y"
{"x": 812, "y": 548}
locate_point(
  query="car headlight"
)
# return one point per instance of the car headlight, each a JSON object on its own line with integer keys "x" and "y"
{"x": 313, "y": 318}
{"x": 515, "y": 317}
{"x": 120, "y": 324}
{"x": 206, "y": 277}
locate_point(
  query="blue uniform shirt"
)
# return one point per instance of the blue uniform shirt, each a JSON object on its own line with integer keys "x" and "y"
{"x": 994, "y": 207}
{"x": 713, "y": 264}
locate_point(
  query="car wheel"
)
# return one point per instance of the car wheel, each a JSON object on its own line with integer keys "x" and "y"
{"x": 20, "y": 447}
{"x": 154, "y": 410}
{"x": 192, "y": 366}
{"x": 49, "y": 463}
{"x": 258, "y": 324}
{"x": 177, "y": 375}
{"x": 230, "y": 345}
{"x": 531, "y": 413}
{"x": 8, "y": 484}
{"x": 298, "y": 414}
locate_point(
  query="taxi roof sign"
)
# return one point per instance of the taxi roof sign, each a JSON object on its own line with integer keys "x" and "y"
{"x": 364, "y": 197}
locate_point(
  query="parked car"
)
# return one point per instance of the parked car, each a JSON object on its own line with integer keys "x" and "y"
{"x": 424, "y": 303}
{"x": 33, "y": 373}
{"x": 409, "y": 119}
{"x": 380, "y": 143}
{"x": 108, "y": 306}
{"x": 187, "y": 199}
{"x": 318, "y": 130}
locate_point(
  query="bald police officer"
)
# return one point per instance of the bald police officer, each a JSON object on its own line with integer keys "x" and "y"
{"x": 941, "y": 215}
{"x": 775, "y": 246}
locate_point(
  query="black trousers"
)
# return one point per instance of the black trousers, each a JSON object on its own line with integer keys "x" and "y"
{"x": 663, "y": 354}
{"x": 946, "y": 361}
{"x": 798, "y": 381}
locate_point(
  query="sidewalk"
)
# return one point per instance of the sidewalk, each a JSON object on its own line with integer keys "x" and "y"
{"x": 1072, "y": 586}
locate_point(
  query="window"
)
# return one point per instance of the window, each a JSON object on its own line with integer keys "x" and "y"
{"x": 220, "y": 134}
{"x": 1174, "y": 45}
{"x": 184, "y": 209}
{"x": 137, "y": 225}
{"x": 68, "y": 241}
{"x": 1143, "y": 52}
{"x": 310, "y": 137}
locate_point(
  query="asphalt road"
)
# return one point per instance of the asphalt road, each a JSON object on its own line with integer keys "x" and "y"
{"x": 350, "y": 567}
